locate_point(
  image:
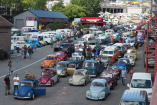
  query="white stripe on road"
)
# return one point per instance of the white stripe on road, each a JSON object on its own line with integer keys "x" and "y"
{"x": 24, "y": 67}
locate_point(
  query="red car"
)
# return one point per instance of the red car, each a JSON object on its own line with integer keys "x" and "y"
{"x": 115, "y": 70}
{"x": 110, "y": 78}
{"x": 61, "y": 55}
{"x": 48, "y": 77}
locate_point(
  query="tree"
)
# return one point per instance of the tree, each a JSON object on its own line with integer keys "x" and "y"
{"x": 54, "y": 26}
{"x": 58, "y": 7}
{"x": 74, "y": 11}
{"x": 92, "y": 6}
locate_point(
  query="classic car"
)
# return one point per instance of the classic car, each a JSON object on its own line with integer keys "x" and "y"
{"x": 133, "y": 51}
{"x": 131, "y": 58}
{"x": 114, "y": 70}
{"x": 71, "y": 68}
{"x": 124, "y": 62}
{"x": 99, "y": 90}
{"x": 106, "y": 60}
{"x": 61, "y": 55}
{"x": 61, "y": 68}
{"x": 80, "y": 50}
{"x": 29, "y": 88}
{"x": 80, "y": 77}
{"x": 131, "y": 41}
{"x": 94, "y": 67}
{"x": 140, "y": 40}
{"x": 57, "y": 48}
{"x": 110, "y": 78}
{"x": 116, "y": 37}
{"x": 65, "y": 46}
{"x": 50, "y": 61}
{"x": 33, "y": 42}
{"x": 48, "y": 77}
{"x": 122, "y": 49}
{"x": 151, "y": 60}
{"x": 141, "y": 33}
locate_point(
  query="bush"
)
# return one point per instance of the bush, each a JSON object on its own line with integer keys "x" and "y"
{"x": 54, "y": 26}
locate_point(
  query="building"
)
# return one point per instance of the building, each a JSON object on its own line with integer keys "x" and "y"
{"x": 36, "y": 18}
{"x": 5, "y": 34}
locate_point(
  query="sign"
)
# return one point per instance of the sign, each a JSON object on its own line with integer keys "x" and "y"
{"x": 31, "y": 18}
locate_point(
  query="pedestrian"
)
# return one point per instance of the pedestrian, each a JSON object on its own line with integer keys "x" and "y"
{"x": 123, "y": 75}
{"x": 9, "y": 66}
{"x": 94, "y": 52}
{"x": 30, "y": 52}
{"x": 16, "y": 82}
{"x": 136, "y": 45}
{"x": 120, "y": 41}
{"x": 25, "y": 51}
{"x": 131, "y": 74}
{"x": 17, "y": 47}
{"x": 22, "y": 53}
{"x": 35, "y": 47}
{"x": 7, "y": 85}
{"x": 101, "y": 52}
{"x": 51, "y": 42}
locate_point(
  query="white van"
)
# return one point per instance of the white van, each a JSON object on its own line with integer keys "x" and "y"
{"x": 142, "y": 81}
{"x": 86, "y": 37}
{"x": 19, "y": 38}
{"x": 29, "y": 34}
{"x": 109, "y": 32}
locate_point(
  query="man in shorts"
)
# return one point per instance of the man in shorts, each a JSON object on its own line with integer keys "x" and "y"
{"x": 7, "y": 85}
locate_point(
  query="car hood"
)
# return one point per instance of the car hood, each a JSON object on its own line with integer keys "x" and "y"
{"x": 77, "y": 79}
{"x": 23, "y": 90}
{"x": 47, "y": 62}
{"x": 121, "y": 65}
{"x": 44, "y": 79}
{"x": 95, "y": 91}
{"x": 60, "y": 68}
{"x": 60, "y": 56}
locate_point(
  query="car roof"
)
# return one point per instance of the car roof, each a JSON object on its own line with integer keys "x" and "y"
{"x": 134, "y": 95}
{"x": 91, "y": 61}
{"x": 140, "y": 75}
{"x": 119, "y": 44}
{"x": 99, "y": 80}
{"x": 66, "y": 62}
{"x": 110, "y": 48}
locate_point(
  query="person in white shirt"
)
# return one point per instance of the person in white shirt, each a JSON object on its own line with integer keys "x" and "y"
{"x": 16, "y": 82}
{"x": 101, "y": 52}
{"x": 17, "y": 47}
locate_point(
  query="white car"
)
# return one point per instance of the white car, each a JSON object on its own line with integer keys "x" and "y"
{"x": 131, "y": 58}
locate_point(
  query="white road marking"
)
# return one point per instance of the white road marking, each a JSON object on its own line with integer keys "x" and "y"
{"x": 24, "y": 67}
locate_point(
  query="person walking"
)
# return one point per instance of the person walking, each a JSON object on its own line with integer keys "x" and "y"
{"x": 30, "y": 52}
{"x": 25, "y": 51}
{"x": 131, "y": 74}
{"x": 17, "y": 47}
{"x": 101, "y": 52}
{"x": 51, "y": 42}
{"x": 9, "y": 66}
{"x": 123, "y": 75}
{"x": 16, "y": 82}
{"x": 22, "y": 53}
{"x": 94, "y": 52}
{"x": 7, "y": 85}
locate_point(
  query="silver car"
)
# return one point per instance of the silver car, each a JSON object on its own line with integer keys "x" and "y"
{"x": 80, "y": 77}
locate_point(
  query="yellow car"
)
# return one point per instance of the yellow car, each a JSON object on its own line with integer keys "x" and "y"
{"x": 132, "y": 51}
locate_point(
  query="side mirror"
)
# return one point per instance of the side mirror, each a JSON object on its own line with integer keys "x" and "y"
{"x": 128, "y": 85}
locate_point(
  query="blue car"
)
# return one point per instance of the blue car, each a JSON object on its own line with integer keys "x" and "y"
{"x": 140, "y": 40}
{"x": 29, "y": 89}
{"x": 33, "y": 42}
{"x": 99, "y": 90}
{"x": 94, "y": 67}
{"x": 124, "y": 62}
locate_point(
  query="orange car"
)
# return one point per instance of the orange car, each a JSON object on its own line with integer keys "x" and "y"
{"x": 50, "y": 61}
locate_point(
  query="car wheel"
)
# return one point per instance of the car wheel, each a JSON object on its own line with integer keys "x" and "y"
{"x": 66, "y": 74}
{"x": 41, "y": 67}
{"x": 58, "y": 79}
{"x": 33, "y": 96}
{"x": 52, "y": 83}
{"x": 104, "y": 97}
{"x": 84, "y": 83}
{"x": 109, "y": 92}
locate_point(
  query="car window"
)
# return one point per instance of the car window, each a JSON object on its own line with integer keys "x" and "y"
{"x": 89, "y": 64}
{"x": 122, "y": 61}
{"x": 132, "y": 103}
{"x": 79, "y": 73}
{"x": 139, "y": 83}
{"x": 61, "y": 65}
{"x": 98, "y": 84}
{"x": 25, "y": 83}
{"x": 44, "y": 73}
{"x": 49, "y": 58}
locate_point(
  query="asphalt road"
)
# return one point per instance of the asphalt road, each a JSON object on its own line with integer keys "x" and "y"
{"x": 61, "y": 93}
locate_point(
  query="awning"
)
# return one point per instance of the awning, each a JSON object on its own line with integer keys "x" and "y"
{"x": 91, "y": 19}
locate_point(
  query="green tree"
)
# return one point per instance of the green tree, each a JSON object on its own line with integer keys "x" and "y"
{"x": 55, "y": 25}
{"x": 92, "y": 6}
{"x": 58, "y": 7}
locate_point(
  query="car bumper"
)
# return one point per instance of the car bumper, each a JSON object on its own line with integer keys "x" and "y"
{"x": 92, "y": 75}
{"x": 94, "y": 98}
{"x": 22, "y": 97}
{"x": 76, "y": 83}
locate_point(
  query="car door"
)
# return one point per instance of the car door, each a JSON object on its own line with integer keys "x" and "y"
{"x": 106, "y": 90}
{"x": 38, "y": 90}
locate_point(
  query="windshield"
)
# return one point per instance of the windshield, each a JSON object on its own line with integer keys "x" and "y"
{"x": 104, "y": 58}
{"x": 65, "y": 45}
{"x": 49, "y": 58}
{"x": 78, "y": 49}
{"x": 97, "y": 84}
{"x": 72, "y": 66}
{"x": 44, "y": 73}
{"x": 61, "y": 65}
{"x": 108, "y": 52}
{"x": 76, "y": 54}
{"x": 131, "y": 103}
{"x": 131, "y": 41}
{"x": 122, "y": 61}
{"x": 26, "y": 83}
{"x": 89, "y": 64}
{"x": 129, "y": 56}
{"x": 78, "y": 73}
{"x": 131, "y": 51}
{"x": 107, "y": 75}
{"x": 74, "y": 58}
{"x": 58, "y": 53}
{"x": 139, "y": 83}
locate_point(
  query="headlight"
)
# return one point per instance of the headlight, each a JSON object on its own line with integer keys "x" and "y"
{"x": 29, "y": 94}
{"x": 82, "y": 81}
{"x": 16, "y": 93}
{"x": 110, "y": 84}
{"x": 89, "y": 94}
{"x": 101, "y": 95}
{"x": 49, "y": 81}
{"x": 63, "y": 72}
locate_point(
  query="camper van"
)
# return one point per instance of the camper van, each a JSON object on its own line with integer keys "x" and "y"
{"x": 19, "y": 38}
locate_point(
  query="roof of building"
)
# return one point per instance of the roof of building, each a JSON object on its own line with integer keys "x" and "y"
{"x": 5, "y": 23}
{"x": 48, "y": 14}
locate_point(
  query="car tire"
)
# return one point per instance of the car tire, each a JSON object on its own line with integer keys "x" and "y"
{"x": 33, "y": 96}
{"x": 58, "y": 79}
{"x": 52, "y": 83}
{"x": 84, "y": 83}
{"x": 66, "y": 74}
{"x": 104, "y": 97}
{"x": 109, "y": 93}
{"x": 41, "y": 67}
